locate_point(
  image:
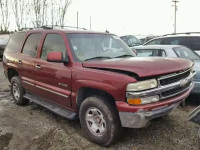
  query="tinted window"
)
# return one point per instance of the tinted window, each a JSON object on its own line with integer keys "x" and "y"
{"x": 184, "y": 52}
{"x": 154, "y": 42}
{"x": 176, "y": 41}
{"x": 15, "y": 41}
{"x": 31, "y": 45}
{"x": 53, "y": 42}
{"x": 150, "y": 53}
{"x": 195, "y": 43}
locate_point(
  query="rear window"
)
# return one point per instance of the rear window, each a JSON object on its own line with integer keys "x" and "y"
{"x": 184, "y": 52}
{"x": 150, "y": 53}
{"x": 14, "y": 42}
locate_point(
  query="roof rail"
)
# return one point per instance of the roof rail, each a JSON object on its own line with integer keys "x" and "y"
{"x": 64, "y": 27}
{"x": 182, "y": 33}
{"x": 49, "y": 27}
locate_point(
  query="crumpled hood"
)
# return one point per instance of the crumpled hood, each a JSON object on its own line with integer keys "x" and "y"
{"x": 142, "y": 66}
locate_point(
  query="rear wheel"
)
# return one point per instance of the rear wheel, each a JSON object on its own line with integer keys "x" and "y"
{"x": 100, "y": 120}
{"x": 17, "y": 91}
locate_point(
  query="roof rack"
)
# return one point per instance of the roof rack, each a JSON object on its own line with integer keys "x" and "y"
{"x": 50, "y": 27}
{"x": 182, "y": 33}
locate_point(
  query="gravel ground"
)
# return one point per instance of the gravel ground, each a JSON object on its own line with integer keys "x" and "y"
{"x": 33, "y": 127}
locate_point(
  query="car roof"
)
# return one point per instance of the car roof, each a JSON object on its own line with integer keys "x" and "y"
{"x": 65, "y": 31}
{"x": 157, "y": 46}
{"x": 187, "y": 34}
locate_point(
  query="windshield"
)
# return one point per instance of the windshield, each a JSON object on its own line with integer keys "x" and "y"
{"x": 184, "y": 52}
{"x": 131, "y": 40}
{"x": 98, "y": 46}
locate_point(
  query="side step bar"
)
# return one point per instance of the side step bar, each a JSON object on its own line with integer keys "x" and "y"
{"x": 52, "y": 107}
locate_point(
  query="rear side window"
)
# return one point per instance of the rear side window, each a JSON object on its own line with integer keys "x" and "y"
{"x": 150, "y": 53}
{"x": 53, "y": 42}
{"x": 177, "y": 41}
{"x": 184, "y": 52}
{"x": 14, "y": 42}
{"x": 31, "y": 45}
{"x": 195, "y": 43}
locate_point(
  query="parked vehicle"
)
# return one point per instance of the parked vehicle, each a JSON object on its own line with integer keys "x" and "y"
{"x": 94, "y": 77}
{"x": 145, "y": 38}
{"x": 131, "y": 40}
{"x": 173, "y": 51}
{"x": 190, "y": 40}
{"x": 3, "y": 42}
{"x": 194, "y": 116}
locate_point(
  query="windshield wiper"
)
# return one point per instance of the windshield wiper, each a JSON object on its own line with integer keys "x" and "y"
{"x": 98, "y": 57}
{"x": 125, "y": 55}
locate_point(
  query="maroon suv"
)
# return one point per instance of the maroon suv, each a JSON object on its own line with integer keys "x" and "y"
{"x": 94, "y": 77}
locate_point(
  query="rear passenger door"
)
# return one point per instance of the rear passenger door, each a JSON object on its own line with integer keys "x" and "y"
{"x": 53, "y": 79}
{"x": 27, "y": 58}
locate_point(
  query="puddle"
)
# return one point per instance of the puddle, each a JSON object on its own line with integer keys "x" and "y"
{"x": 4, "y": 94}
{"x": 4, "y": 140}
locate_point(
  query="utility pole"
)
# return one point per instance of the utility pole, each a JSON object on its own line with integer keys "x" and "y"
{"x": 77, "y": 20}
{"x": 90, "y": 22}
{"x": 175, "y": 9}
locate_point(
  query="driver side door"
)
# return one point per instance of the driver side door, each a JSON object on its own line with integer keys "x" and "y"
{"x": 53, "y": 79}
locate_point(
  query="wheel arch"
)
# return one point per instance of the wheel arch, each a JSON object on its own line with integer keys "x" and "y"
{"x": 11, "y": 73}
{"x": 85, "y": 92}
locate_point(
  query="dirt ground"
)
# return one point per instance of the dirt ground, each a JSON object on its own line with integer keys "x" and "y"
{"x": 34, "y": 128}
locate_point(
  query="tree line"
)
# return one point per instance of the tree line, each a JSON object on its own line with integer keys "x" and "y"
{"x": 32, "y": 13}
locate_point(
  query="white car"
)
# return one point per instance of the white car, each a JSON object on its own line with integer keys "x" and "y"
{"x": 173, "y": 51}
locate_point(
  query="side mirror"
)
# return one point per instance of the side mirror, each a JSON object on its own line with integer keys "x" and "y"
{"x": 56, "y": 57}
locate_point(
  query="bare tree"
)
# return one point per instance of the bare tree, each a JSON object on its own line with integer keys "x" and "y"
{"x": 4, "y": 13}
{"x": 58, "y": 11}
{"x": 40, "y": 7}
{"x": 63, "y": 7}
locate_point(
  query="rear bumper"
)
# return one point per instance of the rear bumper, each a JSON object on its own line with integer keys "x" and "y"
{"x": 139, "y": 116}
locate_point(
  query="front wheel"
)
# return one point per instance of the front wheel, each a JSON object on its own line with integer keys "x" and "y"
{"x": 100, "y": 120}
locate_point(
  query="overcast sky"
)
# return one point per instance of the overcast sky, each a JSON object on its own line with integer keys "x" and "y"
{"x": 135, "y": 16}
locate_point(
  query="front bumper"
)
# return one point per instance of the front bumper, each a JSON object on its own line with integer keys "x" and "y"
{"x": 140, "y": 119}
{"x": 139, "y": 116}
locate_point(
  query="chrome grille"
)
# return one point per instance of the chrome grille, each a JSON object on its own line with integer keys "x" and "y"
{"x": 175, "y": 91}
{"x": 174, "y": 78}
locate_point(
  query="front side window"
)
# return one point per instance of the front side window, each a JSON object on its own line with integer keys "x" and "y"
{"x": 53, "y": 42}
{"x": 31, "y": 45}
{"x": 88, "y": 46}
{"x": 150, "y": 53}
{"x": 184, "y": 52}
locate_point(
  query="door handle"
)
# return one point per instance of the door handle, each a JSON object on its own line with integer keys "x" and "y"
{"x": 38, "y": 67}
{"x": 19, "y": 62}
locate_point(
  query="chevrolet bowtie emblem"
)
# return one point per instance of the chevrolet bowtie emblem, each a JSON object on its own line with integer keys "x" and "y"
{"x": 183, "y": 82}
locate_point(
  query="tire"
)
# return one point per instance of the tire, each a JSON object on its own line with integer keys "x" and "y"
{"x": 17, "y": 91}
{"x": 100, "y": 120}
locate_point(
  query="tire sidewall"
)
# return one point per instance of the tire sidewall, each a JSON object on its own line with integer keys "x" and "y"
{"x": 101, "y": 140}
{"x": 17, "y": 81}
